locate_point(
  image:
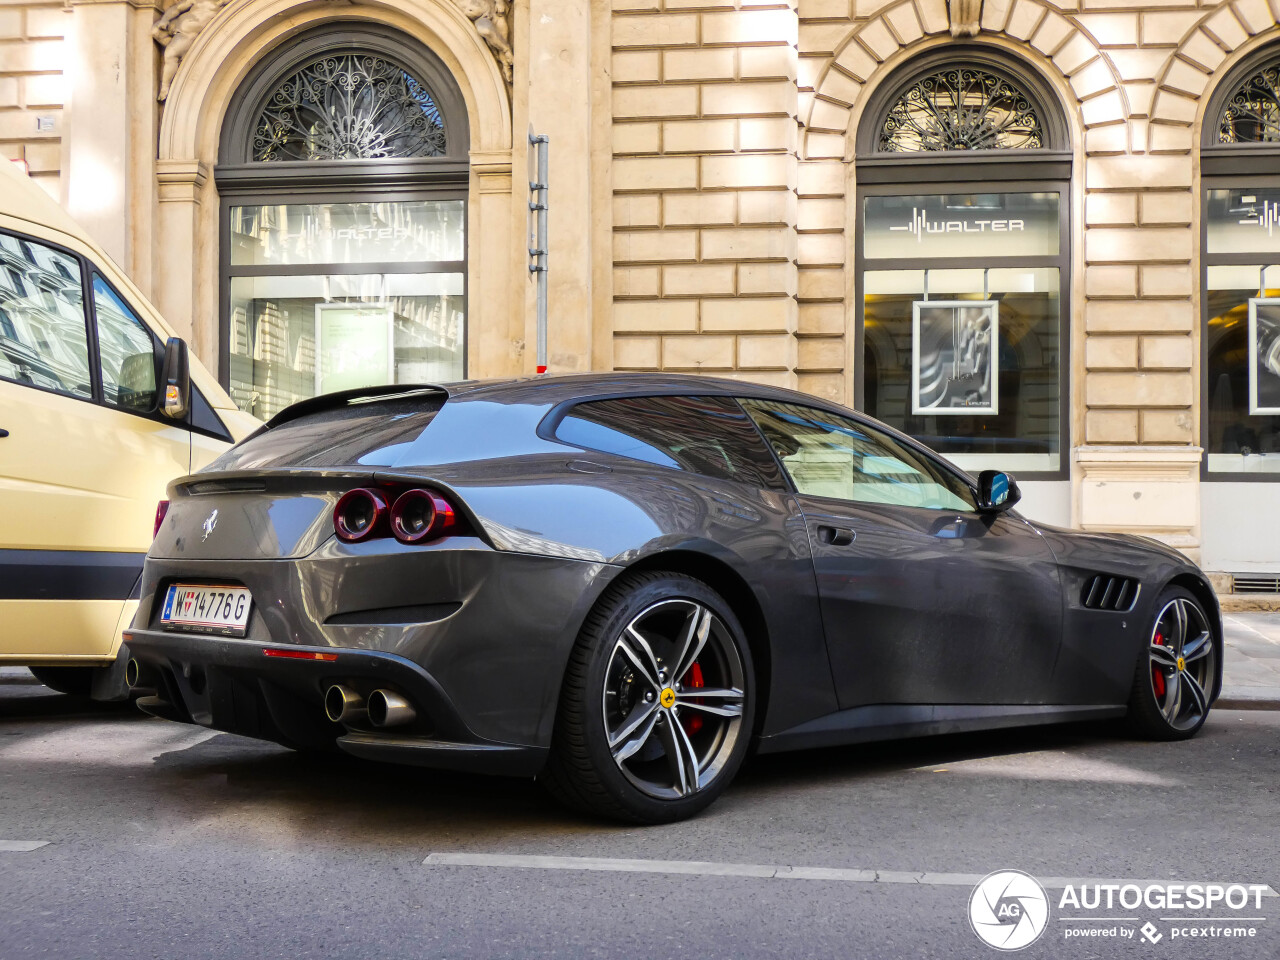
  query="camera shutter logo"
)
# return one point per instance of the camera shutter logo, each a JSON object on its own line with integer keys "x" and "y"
{"x": 1008, "y": 910}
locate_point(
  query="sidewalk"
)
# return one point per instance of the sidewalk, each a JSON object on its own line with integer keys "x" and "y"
{"x": 1252, "y": 669}
{"x": 1251, "y": 678}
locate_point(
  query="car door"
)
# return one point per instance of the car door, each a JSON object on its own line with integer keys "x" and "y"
{"x": 82, "y": 463}
{"x": 924, "y": 600}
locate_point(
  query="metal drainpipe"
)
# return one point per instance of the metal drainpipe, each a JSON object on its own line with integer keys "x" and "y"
{"x": 538, "y": 240}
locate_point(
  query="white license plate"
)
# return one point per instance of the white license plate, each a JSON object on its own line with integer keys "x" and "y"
{"x": 206, "y": 609}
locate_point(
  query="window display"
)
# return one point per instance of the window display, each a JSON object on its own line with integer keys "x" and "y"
{"x": 292, "y": 337}
{"x": 1241, "y": 432}
{"x": 962, "y": 324}
{"x": 1242, "y": 386}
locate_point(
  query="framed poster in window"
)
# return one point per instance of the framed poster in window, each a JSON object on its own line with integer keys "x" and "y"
{"x": 954, "y": 358}
{"x": 1264, "y": 356}
{"x": 355, "y": 346}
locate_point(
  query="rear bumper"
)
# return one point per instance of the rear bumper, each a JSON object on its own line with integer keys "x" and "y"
{"x": 493, "y": 629}
{"x": 231, "y": 685}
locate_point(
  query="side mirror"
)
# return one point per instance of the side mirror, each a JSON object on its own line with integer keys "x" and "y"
{"x": 997, "y": 491}
{"x": 175, "y": 380}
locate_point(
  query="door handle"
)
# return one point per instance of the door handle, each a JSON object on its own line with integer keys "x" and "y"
{"x": 837, "y": 536}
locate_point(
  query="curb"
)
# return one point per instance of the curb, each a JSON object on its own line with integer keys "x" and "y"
{"x": 1237, "y": 701}
{"x": 1249, "y": 602}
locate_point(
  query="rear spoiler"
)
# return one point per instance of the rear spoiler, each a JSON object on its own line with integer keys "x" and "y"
{"x": 345, "y": 398}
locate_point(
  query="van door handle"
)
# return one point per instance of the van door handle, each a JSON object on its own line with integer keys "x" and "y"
{"x": 837, "y": 536}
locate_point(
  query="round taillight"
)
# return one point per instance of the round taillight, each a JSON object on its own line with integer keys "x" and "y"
{"x": 421, "y": 515}
{"x": 359, "y": 514}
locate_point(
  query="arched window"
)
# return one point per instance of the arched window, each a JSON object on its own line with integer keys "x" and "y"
{"x": 963, "y": 261}
{"x": 961, "y": 107}
{"x": 349, "y": 106}
{"x": 1251, "y": 113}
{"x": 343, "y": 176}
{"x": 1240, "y": 166}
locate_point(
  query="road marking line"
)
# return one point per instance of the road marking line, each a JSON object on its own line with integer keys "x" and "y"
{"x": 758, "y": 870}
{"x": 21, "y": 846}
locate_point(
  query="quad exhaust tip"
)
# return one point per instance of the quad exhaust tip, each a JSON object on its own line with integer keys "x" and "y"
{"x": 387, "y": 709}
{"x": 132, "y": 671}
{"x": 344, "y": 705}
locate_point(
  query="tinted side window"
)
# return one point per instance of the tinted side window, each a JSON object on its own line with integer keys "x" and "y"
{"x": 832, "y": 456}
{"x": 128, "y": 352}
{"x": 706, "y": 435}
{"x": 43, "y": 338}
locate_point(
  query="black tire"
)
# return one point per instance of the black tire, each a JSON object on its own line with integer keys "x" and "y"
{"x": 582, "y": 772}
{"x": 75, "y": 681}
{"x": 1152, "y": 714}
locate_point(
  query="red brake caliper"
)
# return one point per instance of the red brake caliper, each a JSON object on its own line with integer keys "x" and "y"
{"x": 693, "y": 721}
{"x": 1157, "y": 675}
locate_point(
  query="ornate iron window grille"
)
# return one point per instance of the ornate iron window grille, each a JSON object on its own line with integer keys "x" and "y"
{"x": 349, "y": 107}
{"x": 1252, "y": 113}
{"x": 961, "y": 108}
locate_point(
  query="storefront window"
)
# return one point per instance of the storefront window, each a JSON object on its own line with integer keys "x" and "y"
{"x": 1242, "y": 336}
{"x": 315, "y": 327}
{"x": 966, "y": 356}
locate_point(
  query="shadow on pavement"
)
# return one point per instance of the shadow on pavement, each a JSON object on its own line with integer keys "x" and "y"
{"x": 250, "y": 789}
{"x": 28, "y": 700}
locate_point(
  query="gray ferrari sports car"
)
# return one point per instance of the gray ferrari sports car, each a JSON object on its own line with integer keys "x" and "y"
{"x": 622, "y": 583}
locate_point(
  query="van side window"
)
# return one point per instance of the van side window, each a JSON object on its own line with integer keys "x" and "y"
{"x": 43, "y": 338}
{"x": 128, "y": 352}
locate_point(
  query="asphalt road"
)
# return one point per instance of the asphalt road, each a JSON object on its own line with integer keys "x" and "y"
{"x": 167, "y": 841}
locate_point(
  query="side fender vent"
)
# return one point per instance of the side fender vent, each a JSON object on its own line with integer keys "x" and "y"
{"x": 1102, "y": 592}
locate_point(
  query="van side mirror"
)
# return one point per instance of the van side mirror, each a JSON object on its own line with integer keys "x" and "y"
{"x": 997, "y": 491}
{"x": 175, "y": 380}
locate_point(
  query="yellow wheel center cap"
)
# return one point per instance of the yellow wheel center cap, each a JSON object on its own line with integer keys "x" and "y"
{"x": 667, "y": 698}
{"x": 1182, "y": 664}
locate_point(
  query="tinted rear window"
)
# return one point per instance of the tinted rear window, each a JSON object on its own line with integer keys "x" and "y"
{"x": 706, "y": 435}
{"x": 370, "y": 433}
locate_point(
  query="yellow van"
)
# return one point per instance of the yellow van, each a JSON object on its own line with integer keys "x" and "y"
{"x": 100, "y": 407}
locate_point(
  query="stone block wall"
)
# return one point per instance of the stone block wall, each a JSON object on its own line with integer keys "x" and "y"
{"x": 32, "y": 92}
{"x": 704, "y": 181}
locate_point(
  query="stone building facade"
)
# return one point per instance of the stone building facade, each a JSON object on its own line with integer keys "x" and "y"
{"x": 841, "y": 196}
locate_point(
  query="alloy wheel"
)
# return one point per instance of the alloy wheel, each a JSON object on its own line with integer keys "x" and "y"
{"x": 673, "y": 698}
{"x": 1182, "y": 663}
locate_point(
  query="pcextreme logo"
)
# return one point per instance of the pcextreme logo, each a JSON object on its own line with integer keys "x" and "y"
{"x": 1008, "y": 910}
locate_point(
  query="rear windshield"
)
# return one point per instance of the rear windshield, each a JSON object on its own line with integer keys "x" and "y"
{"x": 372, "y": 433}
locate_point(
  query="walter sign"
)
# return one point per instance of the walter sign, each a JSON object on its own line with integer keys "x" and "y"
{"x": 930, "y": 228}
